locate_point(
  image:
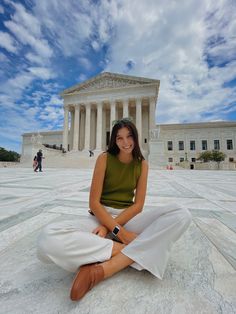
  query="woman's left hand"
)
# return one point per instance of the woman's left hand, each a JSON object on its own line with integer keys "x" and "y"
{"x": 101, "y": 231}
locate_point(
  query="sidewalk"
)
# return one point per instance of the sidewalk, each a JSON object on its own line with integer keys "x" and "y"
{"x": 200, "y": 277}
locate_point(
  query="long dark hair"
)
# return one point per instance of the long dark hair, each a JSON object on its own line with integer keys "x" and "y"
{"x": 114, "y": 149}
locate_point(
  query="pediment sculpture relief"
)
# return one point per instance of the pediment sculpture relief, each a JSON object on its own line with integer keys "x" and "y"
{"x": 107, "y": 83}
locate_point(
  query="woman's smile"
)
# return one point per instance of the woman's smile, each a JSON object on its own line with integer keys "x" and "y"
{"x": 124, "y": 140}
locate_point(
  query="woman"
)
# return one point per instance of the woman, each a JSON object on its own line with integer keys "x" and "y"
{"x": 35, "y": 163}
{"x": 118, "y": 233}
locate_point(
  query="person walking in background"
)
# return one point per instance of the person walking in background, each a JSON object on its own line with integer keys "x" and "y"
{"x": 117, "y": 233}
{"x": 35, "y": 163}
{"x": 39, "y": 160}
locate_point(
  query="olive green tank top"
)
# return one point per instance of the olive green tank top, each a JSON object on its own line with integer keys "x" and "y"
{"x": 120, "y": 182}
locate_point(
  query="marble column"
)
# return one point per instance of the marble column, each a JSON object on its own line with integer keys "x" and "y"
{"x": 113, "y": 113}
{"x": 76, "y": 128}
{"x": 152, "y": 116}
{"x": 87, "y": 126}
{"x": 65, "y": 129}
{"x": 125, "y": 108}
{"x": 139, "y": 119}
{"x": 99, "y": 126}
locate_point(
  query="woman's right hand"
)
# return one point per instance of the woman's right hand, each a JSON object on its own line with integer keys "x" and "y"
{"x": 126, "y": 236}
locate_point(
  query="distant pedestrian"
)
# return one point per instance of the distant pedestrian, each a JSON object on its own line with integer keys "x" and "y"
{"x": 35, "y": 162}
{"x": 39, "y": 160}
{"x": 91, "y": 153}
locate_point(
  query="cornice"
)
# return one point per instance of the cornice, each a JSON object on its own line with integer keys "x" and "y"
{"x": 107, "y": 81}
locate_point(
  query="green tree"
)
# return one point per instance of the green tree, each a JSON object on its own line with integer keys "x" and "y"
{"x": 205, "y": 156}
{"x": 213, "y": 155}
{"x": 218, "y": 156}
{"x": 6, "y": 155}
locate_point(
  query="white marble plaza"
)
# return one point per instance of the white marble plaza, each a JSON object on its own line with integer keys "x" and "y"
{"x": 200, "y": 277}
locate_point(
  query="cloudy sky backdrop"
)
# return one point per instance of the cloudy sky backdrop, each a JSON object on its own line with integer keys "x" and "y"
{"x": 49, "y": 45}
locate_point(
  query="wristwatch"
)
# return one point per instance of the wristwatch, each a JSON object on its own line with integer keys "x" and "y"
{"x": 116, "y": 230}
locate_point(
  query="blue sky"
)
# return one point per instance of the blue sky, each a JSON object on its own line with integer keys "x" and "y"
{"x": 49, "y": 45}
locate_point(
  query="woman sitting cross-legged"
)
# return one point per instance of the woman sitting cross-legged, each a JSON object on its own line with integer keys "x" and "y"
{"x": 117, "y": 233}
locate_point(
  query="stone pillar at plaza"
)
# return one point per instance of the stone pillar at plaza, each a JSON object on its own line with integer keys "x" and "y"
{"x": 139, "y": 119}
{"x": 76, "y": 128}
{"x": 99, "y": 126}
{"x": 152, "y": 110}
{"x": 66, "y": 127}
{"x": 113, "y": 114}
{"x": 125, "y": 108}
{"x": 87, "y": 126}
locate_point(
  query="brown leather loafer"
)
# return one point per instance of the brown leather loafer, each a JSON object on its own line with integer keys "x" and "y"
{"x": 87, "y": 277}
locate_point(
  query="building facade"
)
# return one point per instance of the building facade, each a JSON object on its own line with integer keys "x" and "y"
{"x": 176, "y": 143}
{"x": 91, "y": 107}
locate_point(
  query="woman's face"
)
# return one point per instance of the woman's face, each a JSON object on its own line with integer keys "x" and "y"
{"x": 125, "y": 141}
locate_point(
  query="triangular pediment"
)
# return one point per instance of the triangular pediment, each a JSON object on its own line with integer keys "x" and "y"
{"x": 108, "y": 80}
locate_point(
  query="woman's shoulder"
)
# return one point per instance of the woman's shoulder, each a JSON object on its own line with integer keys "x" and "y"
{"x": 102, "y": 158}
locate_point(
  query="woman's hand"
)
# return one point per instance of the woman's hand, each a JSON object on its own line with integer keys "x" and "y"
{"x": 101, "y": 231}
{"x": 126, "y": 236}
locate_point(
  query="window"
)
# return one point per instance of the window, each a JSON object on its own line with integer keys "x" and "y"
{"x": 192, "y": 145}
{"x": 170, "y": 159}
{"x": 181, "y": 159}
{"x": 231, "y": 159}
{"x": 229, "y": 144}
{"x": 170, "y": 145}
{"x": 193, "y": 159}
{"x": 216, "y": 145}
{"x": 181, "y": 145}
{"x": 204, "y": 144}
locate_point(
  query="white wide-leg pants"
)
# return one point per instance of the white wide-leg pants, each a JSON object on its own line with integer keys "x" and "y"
{"x": 71, "y": 244}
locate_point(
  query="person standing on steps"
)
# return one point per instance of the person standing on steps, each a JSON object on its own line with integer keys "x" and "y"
{"x": 118, "y": 233}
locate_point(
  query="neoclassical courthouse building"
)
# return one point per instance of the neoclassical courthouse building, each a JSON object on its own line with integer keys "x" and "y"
{"x": 90, "y": 109}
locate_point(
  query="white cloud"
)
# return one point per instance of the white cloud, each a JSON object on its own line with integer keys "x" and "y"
{"x": 1, "y": 9}
{"x": 40, "y": 46}
{"x": 41, "y": 72}
{"x": 18, "y": 83}
{"x": 73, "y": 26}
{"x": 68, "y": 25}
{"x": 82, "y": 77}
{"x": 27, "y": 20}
{"x": 7, "y": 42}
{"x": 86, "y": 63}
{"x": 33, "y": 58}
{"x": 3, "y": 58}
{"x": 52, "y": 114}
{"x": 172, "y": 45}
{"x": 54, "y": 101}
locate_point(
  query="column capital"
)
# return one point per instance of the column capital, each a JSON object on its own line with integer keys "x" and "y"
{"x": 138, "y": 100}
{"x": 152, "y": 99}
{"x": 77, "y": 106}
{"x": 113, "y": 101}
{"x": 99, "y": 102}
{"x": 87, "y": 104}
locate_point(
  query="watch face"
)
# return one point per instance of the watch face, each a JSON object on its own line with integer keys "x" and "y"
{"x": 116, "y": 230}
